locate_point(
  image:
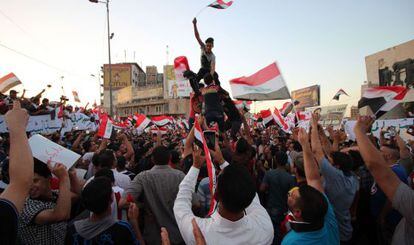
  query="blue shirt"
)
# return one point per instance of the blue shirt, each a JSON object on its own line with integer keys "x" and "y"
{"x": 328, "y": 235}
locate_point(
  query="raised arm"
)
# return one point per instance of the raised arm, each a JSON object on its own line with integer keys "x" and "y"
{"x": 128, "y": 145}
{"x": 383, "y": 175}
{"x": 316, "y": 142}
{"x": 21, "y": 159}
{"x": 61, "y": 212}
{"x": 311, "y": 168}
{"x": 197, "y": 35}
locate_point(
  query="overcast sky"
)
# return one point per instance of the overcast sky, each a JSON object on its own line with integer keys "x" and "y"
{"x": 315, "y": 42}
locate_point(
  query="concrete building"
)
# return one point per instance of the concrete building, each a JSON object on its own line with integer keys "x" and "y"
{"x": 148, "y": 97}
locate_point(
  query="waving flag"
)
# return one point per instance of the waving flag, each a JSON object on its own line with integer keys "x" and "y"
{"x": 9, "y": 81}
{"x": 141, "y": 122}
{"x": 267, "y": 117}
{"x": 266, "y": 84}
{"x": 162, "y": 120}
{"x": 382, "y": 99}
{"x": 339, "y": 93}
{"x": 221, "y": 4}
{"x": 199, "y": 137}
{"x": 106, "y": 127}
{"x": 280, "y": 120}
{"x": 242, "y": 104}
{"x": 288, "y": 107}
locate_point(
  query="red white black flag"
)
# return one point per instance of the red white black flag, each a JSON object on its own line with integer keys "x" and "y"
{"x": 221, "y": 4}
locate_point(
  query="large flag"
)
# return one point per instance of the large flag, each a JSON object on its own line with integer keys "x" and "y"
{"x": 162, "y": 120}
{"x": 198, "y": 136}
{"x": 221, "y": 4}
{"x": 76, "y": 96}
{"x": 266, "y": 84}
{"x": 105, "y": 127}
{"x": 141, "y": 122}
{"x": 382, "y": 99}
{"x": 339, "y": 93}
{"x": 9, "y": 81}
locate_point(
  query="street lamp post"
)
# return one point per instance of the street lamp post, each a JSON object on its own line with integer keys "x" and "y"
{"x": 111, "y": 112}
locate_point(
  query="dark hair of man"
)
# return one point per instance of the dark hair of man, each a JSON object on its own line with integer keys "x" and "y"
{"x": 210, "y": 40}
{"x": 298, "y": 163}
{"x": 235, "y": 188}
{"x": 175, "y": 157}
{"x": 106, "y": 159}
{"x": 160, "y": 155}
{"x": 313, "y": 205}
{"x": 296, "y": 146}
{"x": 242, "y": 146}
{"x": 356, "y": 159}
{"x": 41, "y": 169}
{"x": 96, "y": 196}
{"x": 208, "y": 79}
{"x": 343, "y": 160}
{"x": 281, "y": 158}
{"x": 86, "y": 145}
{"x": 105, "y": 172}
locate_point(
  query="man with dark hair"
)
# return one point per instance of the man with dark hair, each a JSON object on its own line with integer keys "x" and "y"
{"x": 341, "y": 185}
{"x": 101, "y": 227}
{"x": 239, "y": 217}
{"x": 312, "y": 219}
{"x": 277, "y": 182}
{"x": 45, "y": 212}
{"x": 208, "y": 59}
{"x": 158, "y": 187}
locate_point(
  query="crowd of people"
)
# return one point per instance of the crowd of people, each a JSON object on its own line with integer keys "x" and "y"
{"x": 310, "y": 186}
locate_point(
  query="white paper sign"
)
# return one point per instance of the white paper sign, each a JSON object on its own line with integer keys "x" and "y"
{"x": 46, "y": 150}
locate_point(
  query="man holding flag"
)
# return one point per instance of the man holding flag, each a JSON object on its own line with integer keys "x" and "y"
{"x": 208, "y": 59}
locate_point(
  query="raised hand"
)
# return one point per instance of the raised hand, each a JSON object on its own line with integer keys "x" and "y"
{"x": 17, "y": 118}
{"x": 364, "y": 124}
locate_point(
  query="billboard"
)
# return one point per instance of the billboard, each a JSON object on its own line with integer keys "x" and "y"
{"x": 176, "y": 88}
{"x": 330, "y": 115}
{"x": 307, "y": 97}
{"x": 121, "y": 76}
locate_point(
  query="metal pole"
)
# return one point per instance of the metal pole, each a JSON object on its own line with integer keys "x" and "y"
{"x": 111, "y": 112}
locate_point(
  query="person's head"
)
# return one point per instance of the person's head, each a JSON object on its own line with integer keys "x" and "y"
{"x": 295, "y": 146}
{"x": 41, "y": 180}
{"x": 104, "y": 159}
{"x": 105, "y": 172}
{"x": 13, "y": 94}
{"x": 308, "y": 205}
{"x": 235, "y": 189}
{"x": 97, "y": 195}
{"x": 121, "y": 162}
{"x": 342, "y": 161}
{"x": 390, "y": 154}
{"x": 45, "y": 102}
{"x": 208, "y": 79}
{"x": 209, "y": 44}
{"x": 175, "y": 157}
{"x": 357, "y": 159}
{"x": 160, "y": 155}
{"x": 281, "y": 158}
{"x": 89, "y": 146}
{"x": 298, "y": 166}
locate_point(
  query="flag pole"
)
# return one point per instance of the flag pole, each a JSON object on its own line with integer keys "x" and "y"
{"x": 201, "y": 10}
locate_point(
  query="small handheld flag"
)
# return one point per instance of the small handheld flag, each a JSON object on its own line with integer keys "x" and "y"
{"x": 339, "y": 93}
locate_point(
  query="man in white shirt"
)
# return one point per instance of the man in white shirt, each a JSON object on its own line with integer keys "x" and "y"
{"x": 239, "y": 218}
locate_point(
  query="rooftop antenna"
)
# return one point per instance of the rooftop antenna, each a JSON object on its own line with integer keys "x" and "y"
{"x": 167, "y": 53}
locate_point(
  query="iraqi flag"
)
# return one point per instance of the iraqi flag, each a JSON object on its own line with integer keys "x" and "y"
{"x": 180, "y": 66}
{"x": 162, "y": 130}
{"x": 141, "y": 122}
{"x": 266, "y": 84}
{"x": 242, "y": 104}
{"x": 280, "y": 120}
{"x": 339, "y": 93}
{"x": 161, "y": 120}
{"x": 105, "y": 127}
{"x": 267, "y": 117}
{"x": 9, "y": 81}
{"x": 201, "y": 141}
{"x": 382, "y": 99}
{"x": 221, "y": 4}
{"x": 76, "y": 96}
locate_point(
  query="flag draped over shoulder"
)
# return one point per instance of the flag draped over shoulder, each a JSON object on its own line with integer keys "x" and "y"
{"x": 382, "y": 99}
{"x": 220, "y": 4}
{"x": 200, "y": 140}
{"x": 266, "y": 84}
{"x": 9, "y": 81}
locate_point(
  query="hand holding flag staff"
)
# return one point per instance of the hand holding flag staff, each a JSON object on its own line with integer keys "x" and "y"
{"x": 219, "y": 4}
